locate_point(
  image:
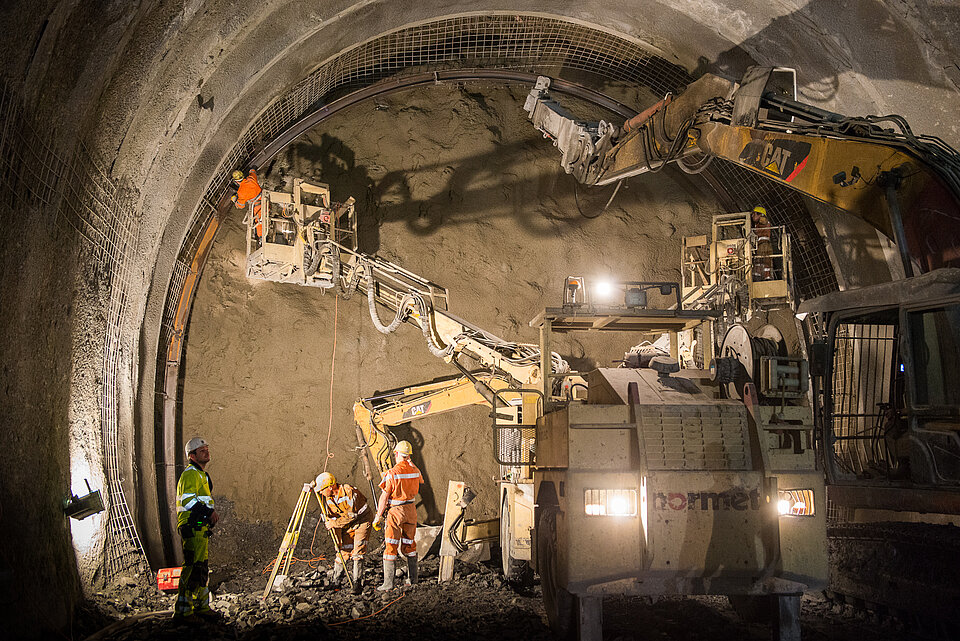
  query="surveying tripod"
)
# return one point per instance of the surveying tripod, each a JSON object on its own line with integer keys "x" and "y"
{"x": 292, "y": 536}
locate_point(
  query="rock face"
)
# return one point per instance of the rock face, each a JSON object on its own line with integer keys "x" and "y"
{"x": 454, "y": 185}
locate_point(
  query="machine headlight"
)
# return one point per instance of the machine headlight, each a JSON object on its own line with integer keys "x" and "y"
{"x": 795, "y": 503}
{"x": 602, "y": 290}
{"x": 610, "y": 502}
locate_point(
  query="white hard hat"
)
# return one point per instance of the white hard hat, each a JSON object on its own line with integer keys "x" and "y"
{"x": 404, "y": 447}
{"x": 325, "y": 480}
{"x": 194, "y": 444}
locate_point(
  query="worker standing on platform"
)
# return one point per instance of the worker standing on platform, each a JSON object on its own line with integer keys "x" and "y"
{"x": 347, "y": 515}
{"x": 195, "y": 518}
{"x": 762, "y": 232}
{"x": 249, "y": 189}
{"x": 400, "y": 485}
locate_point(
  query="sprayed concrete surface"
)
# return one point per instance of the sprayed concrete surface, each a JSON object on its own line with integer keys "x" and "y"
{"x": 466, "y": 194}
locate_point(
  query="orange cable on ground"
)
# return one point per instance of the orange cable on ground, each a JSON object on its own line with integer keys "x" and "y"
{"x": 313, "y": 563}
{"x": 333, "y": 360}
{"x": 369, "y": 615}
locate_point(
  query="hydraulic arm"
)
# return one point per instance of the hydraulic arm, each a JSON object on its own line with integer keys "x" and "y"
{"x": 905, "y": 185}
{"x": 375, "y": 414}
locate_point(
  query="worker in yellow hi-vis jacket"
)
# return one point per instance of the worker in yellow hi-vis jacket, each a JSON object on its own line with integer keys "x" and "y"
{"x": 195, "y": 518}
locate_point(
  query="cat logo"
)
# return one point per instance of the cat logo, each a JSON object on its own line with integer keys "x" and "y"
{"x": 417, "y": 410}
{"x": 784, "y": 159}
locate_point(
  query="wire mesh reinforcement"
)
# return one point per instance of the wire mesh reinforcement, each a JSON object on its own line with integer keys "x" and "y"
{"x": 105, "y": 215}
{"x": 34, "y": 177}
{"x": 813, "y": 271}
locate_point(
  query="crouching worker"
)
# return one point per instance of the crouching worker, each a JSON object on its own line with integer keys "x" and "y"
{"x": 195, "y": 518}
{"x": 348, "y": 517}
{"x": 400, "y": 486}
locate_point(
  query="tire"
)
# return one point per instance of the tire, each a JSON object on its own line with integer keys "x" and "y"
{"x": 517, "y": 572}
{"x": 559, "y": 604}
{"x": 753, "y": 609}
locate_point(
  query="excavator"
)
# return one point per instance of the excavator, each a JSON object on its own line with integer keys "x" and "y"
{"x": 904, "y": 184}
{"x": 610, "y": 436}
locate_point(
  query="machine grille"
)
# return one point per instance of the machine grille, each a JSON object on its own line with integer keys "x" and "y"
{"x": 693, "y": 437}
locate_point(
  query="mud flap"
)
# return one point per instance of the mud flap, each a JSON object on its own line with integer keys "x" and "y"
{"x": 786, "y": 618}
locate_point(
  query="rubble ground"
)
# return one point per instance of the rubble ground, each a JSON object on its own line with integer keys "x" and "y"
{"x": 478, "y": 604}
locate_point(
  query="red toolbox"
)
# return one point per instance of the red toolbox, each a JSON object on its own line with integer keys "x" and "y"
{"x": 168, "y": 579}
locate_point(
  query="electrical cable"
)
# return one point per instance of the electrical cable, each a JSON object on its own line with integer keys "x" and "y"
{"x": 369, "y": 615}
{"x": 333, "y": 360}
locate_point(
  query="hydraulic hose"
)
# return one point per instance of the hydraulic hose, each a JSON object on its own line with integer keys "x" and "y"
{"x": 407, "y": 301}
{"x": 425, "y": 328}
{"x": 452, "y": 533}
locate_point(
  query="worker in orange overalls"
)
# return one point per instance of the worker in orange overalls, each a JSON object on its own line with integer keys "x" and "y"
{"x": 762, "y": 256}
{"x": 347, "y": 515}
{"x": 400, "y": 485}
{"x": 249, "y": 189}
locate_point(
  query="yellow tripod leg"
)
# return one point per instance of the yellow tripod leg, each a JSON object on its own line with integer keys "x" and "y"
{"x": 336, "y": 543}
{"x": 290, "y": 538}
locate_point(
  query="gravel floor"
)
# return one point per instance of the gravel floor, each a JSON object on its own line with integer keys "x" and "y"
{"x": 479, "y": 604}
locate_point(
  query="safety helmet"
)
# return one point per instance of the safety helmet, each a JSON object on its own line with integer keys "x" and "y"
{"x": 760, "y": 209}
{"x": 325, "y": 480}
{"x": 404, "y": 447}
{"x": 194, "y": 444}
{"x": 237, "y": 175}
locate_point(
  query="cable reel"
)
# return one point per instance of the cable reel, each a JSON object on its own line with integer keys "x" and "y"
{"x": 741, "y": 357}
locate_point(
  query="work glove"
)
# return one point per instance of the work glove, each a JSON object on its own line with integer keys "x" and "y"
{"x": 378, "y": 523}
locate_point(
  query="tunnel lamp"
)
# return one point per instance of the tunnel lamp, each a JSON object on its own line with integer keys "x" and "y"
{"x": 573, "y": 291}
{"x": 80, "y": 507}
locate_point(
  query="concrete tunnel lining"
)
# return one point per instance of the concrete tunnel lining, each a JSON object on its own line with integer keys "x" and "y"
{"x": 121, "y": 87}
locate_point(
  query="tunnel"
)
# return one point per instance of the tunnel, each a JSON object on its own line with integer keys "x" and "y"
{"x": 129, "y": 325}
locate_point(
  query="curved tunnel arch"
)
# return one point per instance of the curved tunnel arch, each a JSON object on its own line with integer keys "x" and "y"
{"x": 153, "y": 95}
{"x": 504, "y": 47}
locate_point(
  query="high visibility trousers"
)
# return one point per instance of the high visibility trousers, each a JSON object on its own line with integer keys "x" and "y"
{"x": 400, "y": 531}
{"x": 192, "y": 592}
{"x": 353, "y": 542}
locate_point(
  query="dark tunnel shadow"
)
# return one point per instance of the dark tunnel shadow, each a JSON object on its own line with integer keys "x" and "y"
{"x": 428, "y": 498}
{"x": 467, "y": 192}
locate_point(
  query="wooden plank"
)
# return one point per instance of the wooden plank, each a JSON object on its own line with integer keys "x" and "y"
{"x": 450, "y": 512}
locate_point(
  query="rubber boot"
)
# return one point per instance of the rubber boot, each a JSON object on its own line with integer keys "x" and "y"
{"x": 337, "y": 571}
{"x": 388, "y": 573}
{"x": 412, "y": 570}
{"x": 357, "y": 576}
